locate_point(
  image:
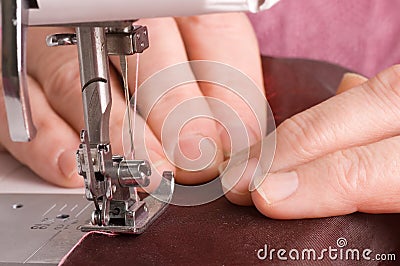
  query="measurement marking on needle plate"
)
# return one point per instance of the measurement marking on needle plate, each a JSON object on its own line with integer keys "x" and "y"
{"x": 49, "y": 210}
{"x": 36, "y": 251}
{"x": 63, "y": 207}
{"x": 73, "y": 208}
{"x": 80, "y": 212}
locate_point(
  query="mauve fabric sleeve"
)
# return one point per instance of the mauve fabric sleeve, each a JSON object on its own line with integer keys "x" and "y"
{"x": 357, "y": 34}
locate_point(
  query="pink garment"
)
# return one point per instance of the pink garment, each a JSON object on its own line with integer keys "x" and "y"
{"x": 361, "y": 35}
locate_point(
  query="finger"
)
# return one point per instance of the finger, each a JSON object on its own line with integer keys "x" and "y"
{"x": 51, "y": 154}
{"x": 361, "y": 179}
{"x": 167, "y": 49}
{"x": 236, "y": 189}
{"x": 350, "y": 80}
{"x": 352, "y": 118}
{"x": 362, "y": 115}
{"x": 239, "y": 173}
{"x": 57, "y": 71}
{"x": 228, "y": 38}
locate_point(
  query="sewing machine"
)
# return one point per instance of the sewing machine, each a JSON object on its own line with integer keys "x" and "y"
{"x": 103, "y": 28}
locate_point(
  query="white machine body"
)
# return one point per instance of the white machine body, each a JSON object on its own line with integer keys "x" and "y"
{"x": 51, "y": 12}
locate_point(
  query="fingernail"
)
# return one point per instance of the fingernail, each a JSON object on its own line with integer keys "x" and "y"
{"x": 195, "y": 152}
{"x": 278, "y": 186}
{"x": 353, "y": 75}
{"x": 350, "y": 80}
{"x": 67, "y": 163}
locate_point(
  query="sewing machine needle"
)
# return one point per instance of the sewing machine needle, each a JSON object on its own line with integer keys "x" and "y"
{"x": 124, "y": 72}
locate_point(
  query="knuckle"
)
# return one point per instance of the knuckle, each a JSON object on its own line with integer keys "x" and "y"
{"x": 301, "y": 135}
{"x": 385, "y": 88}
{"x": 351, "y": 169}
{"x": 64, "y": 81}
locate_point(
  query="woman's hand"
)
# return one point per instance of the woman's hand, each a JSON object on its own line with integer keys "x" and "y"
{"x": 335, "y": 158}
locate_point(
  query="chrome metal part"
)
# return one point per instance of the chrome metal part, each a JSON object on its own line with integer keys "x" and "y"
{"x": 155, "y": 205}
{"x": 111, "y": 187}
{"x": 110, "y": 181}
{"x": 14, "y": 22}
{"x": 140, "y": 169}
{"x": 93, "y": 63}
{"x": 61, "y": 39}
{"x": 127, "y": 41}
{"x": 85, "y": 166}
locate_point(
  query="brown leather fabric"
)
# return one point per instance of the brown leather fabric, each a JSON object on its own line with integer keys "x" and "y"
{"x": 220, "y": 233}
{"x": 293, "y": 85}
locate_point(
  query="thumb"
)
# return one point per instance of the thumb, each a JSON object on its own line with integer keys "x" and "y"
{"x": 364, "y": 178}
